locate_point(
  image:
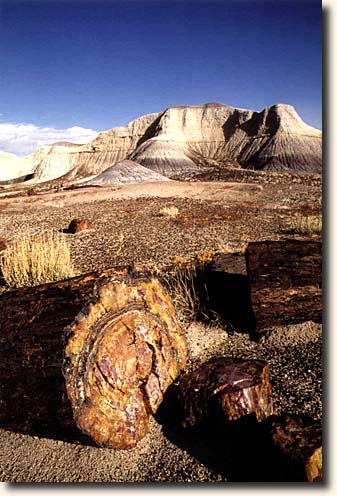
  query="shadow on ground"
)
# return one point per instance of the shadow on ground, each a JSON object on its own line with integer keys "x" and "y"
{"x": 238, "y": 451}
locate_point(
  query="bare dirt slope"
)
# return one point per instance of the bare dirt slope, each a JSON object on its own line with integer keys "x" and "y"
{"x": 129, "y": 227}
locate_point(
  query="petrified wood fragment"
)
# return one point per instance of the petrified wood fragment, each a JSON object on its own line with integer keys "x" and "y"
{"x": 285, "y": 281}
{"x": 78, "y": 225}
{"x": 123, "y": 351}
{"x": 299, "y": 440}
{"x": 236, "y": 386}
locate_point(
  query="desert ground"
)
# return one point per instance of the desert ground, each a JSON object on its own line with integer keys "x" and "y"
{"x": 222, "y": 216}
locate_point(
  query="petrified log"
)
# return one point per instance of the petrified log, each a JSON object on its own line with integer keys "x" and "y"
{"x": 299, "y": 440}
{"x": 285, "y": 281}
{"x": 124, "y": 350}
{"x": 235, "y": 386}
{"x": 33, "y": 395}
{"x": 31, "y": 353}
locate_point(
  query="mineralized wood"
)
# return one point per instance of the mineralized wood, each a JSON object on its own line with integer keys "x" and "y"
{"x": 299, "y": 440}
{"x": 79, "y": 225}
{"x": 235, "y": 386}
{"x": 32, "y": 394}
{"x": 286, "y": 281}
{"x": 123, "y": 351}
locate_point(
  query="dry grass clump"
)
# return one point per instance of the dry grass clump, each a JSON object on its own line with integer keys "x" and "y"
{"x": 310, "y": 225}
{"x": 182, "y": 284}
{"x": 171, "y": 212}
{"x": 37, "y": 259}
{"x": 205, "y": 257}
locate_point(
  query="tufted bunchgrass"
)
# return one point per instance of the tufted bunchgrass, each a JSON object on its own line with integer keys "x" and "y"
{"x": 37, "y": 259}
{"x": 171, "y": 212}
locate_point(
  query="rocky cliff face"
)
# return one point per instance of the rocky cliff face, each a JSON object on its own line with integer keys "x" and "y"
{"x": 110, "y": 147}
{"x": 275, "y": 139}
{"x": 186, "y": 138}
{"x": 52, "y": 161}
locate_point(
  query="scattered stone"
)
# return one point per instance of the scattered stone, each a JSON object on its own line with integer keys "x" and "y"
{"x": 123, "y": 352}
{"x": 232, "y": 386}
{"x": 78, "y": 225}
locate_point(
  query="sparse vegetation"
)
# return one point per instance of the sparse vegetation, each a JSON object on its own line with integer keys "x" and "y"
{"x": 206, "y": 257}
{"x": 181, "y": 281}
{"x": 171, "y": 212}
{"x": 310, "y": 225}
{"x": 37, "y": 259}
{"x": 182, "y": 286}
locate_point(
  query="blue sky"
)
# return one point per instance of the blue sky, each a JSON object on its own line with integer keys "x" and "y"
{"x": 97, "y": 64}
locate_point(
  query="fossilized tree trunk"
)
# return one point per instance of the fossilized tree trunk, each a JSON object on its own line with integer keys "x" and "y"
{"x": 285, "y": 287}
{"x": 234, "y": 386}
{"x": 299, "y": 440}
{"x": 285, "y": 281}
{"x": 33, "y": 395}
{"x": 123, "y": 351}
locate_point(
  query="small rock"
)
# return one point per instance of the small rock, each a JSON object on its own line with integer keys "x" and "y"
{"x": 78, "y": 225}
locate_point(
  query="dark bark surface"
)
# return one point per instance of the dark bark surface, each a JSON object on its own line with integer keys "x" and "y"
{"x": 299, "y": 440}
{"x": 285, "y": 281}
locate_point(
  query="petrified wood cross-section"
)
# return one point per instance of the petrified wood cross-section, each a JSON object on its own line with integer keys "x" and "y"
{"x": 123, "y": 351}
{"x": 237, "y": 386}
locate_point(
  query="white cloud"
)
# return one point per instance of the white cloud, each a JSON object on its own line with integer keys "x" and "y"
{"x": 24, "y": 139}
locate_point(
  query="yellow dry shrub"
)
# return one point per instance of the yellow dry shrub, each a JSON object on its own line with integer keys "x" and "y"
{"x": 172, "y": 212}
{"x": 37, "y": 259}
{"x": 311, "y": 225}
{"x": 181, "y": 281}
{"x": 181, "y": 261}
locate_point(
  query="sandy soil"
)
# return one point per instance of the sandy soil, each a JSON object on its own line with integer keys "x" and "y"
{"x": 167, "y": 453}
{"x": 129, "y": 227}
